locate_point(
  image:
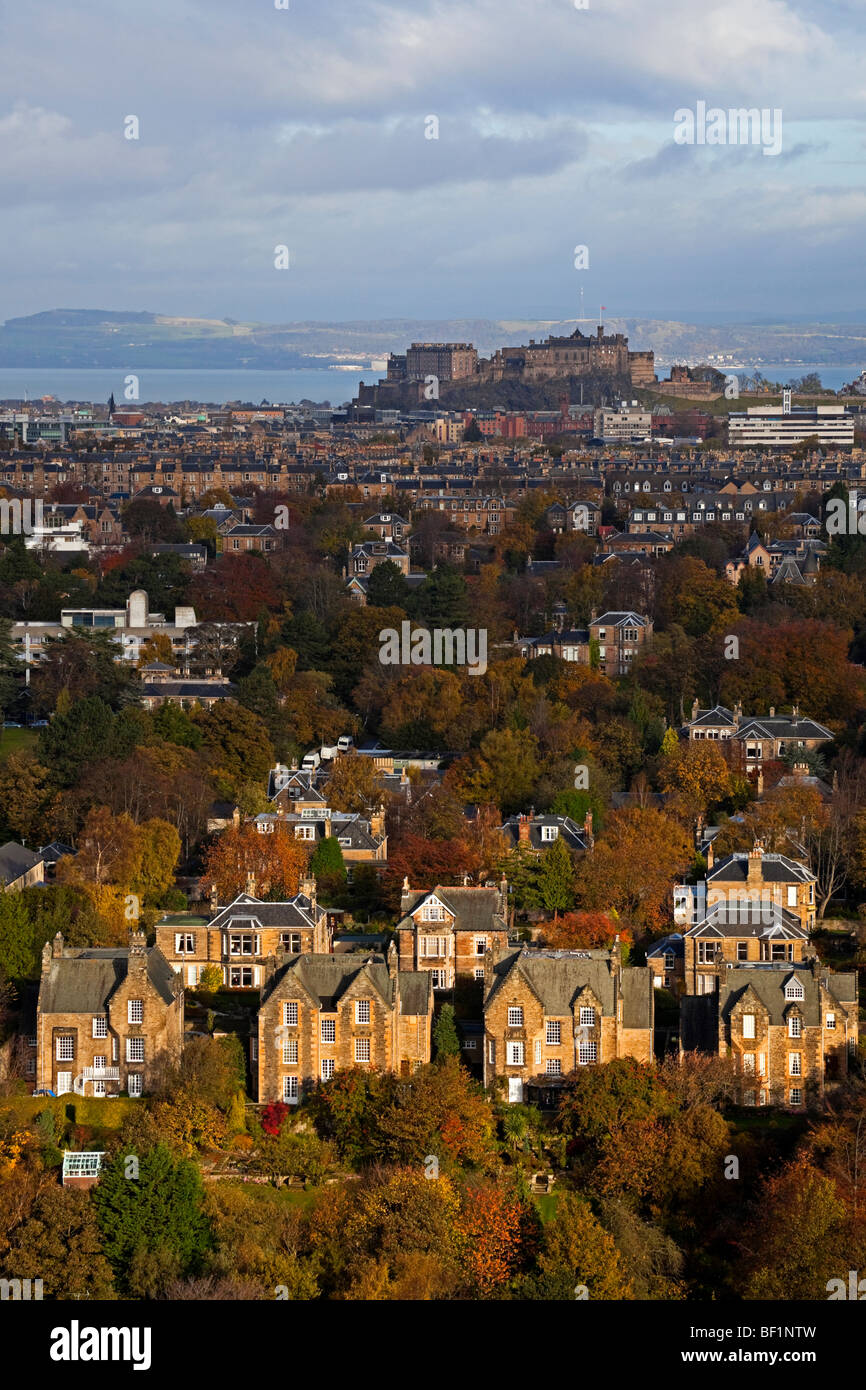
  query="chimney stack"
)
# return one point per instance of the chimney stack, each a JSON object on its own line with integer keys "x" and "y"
{"x": 756, "y": 856}
{"x": 57, "y": 946}
{"x": 523, "y": 829}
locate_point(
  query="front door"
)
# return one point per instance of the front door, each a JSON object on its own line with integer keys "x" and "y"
{"x": 515, "y": 1089}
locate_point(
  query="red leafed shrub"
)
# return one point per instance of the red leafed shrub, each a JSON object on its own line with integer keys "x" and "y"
{"x": 273, "y": 1116}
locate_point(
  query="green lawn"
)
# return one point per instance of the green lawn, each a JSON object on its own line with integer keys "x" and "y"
{"x": 16, "y": 741}
{"x": 546, "y": 1203}
{"x": 98, "y": 1113}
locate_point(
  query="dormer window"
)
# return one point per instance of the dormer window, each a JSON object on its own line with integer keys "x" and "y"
{"x": 795, "y": 1027}
{"x": 794, "y": 989}
{"x": 748, "y": 1025}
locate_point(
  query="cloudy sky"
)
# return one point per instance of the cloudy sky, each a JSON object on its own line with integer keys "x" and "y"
{"x": 306, "y": 127}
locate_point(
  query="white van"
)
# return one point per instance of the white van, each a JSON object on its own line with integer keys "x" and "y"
{"x": 311, "y": 762}
{"x": 344, "y": 743}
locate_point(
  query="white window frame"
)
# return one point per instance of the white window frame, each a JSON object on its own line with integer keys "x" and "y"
{"x": 795, "y": 1027}
{"x": 553, "y": 1067}
{"x": 65, "y": 1047}
{"x": 362, "y": 1011}
{"x": 795, "y": 1064}
{"x": 515, "y": 1016}
{"x": 328, "y": 1025}
{"x": 100, "y": 1027}
{"x": 135, "y": 1046}
{"x": 514, "y": 1054}
{"x": 749, "y": 1026}
{"x": 587, "y": 1053}
{"x": 553, "y": 1033}
{"x": 362, "y": 1049}
{"x": 135, "y": 1011}
{"x": 290, "y": 1013}
{"x": 290, "y": 1052}
{"x": 291, "y": 1087}
{"x": 328, "y": 1068}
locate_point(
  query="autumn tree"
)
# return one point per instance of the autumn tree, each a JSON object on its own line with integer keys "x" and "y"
{"x": 794, "y": 1240}
{"x": 585, "y": 931}
{"x": 492, "y": 1231}
{"x": 697, "y": 776}
{"x": 352, "y": 785}
{"x": 577, "y": 1250}
{"x": 241, "y": 860}
{"x": 635, "y": 861}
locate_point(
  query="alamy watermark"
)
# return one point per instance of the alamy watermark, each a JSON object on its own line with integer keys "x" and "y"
{"x": 737, "y": 126}
{"x": 19, "y": 518}
{"x": 441, "y": 647}
{"x": 843, "y": 519}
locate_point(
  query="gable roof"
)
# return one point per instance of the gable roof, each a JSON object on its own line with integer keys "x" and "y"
{"x": 16, "y": 860}
{"x": 84, "y": 981}
{"x": 473, "y": 909}
{"x": 767, "y": 983}
{"x": 557, "y": 978}
{"x": 775, "y": 868}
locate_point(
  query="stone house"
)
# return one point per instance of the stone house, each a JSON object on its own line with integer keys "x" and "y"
{"x": 789, "y": 1029}
{"x": 448, "y": 931}
{"x": 239, "y": 938}
{"x": 321, "y": 1013}
{"x": 548, "y": 1012}
{"x": 106, "y": 1019}
{"x": 667, "y": 962}
{"x": 751, "y": 882}
{"x": 759, "y": 738}
{"x": 538, "y": 832}
{"x": 739, "y": 932}
{"x": 616, "y": 637}
{"x": 20, "y": 867}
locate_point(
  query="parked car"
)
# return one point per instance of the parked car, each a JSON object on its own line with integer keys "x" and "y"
{"x": 10, "y": 724}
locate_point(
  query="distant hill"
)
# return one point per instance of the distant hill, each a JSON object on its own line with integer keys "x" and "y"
{"x": 131, "y": 339}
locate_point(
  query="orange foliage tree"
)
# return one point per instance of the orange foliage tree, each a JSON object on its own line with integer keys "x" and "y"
{"x": 585, "y": 931}
{"x": 490, "y": 1236}
{"x": 243, "y": 860}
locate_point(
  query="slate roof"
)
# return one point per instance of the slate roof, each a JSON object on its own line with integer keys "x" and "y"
{"x": 474, "y": 909}
{"x": 745, "y": 917}
{"x": 637, "y": 996}
{"x": 673, "y": 943}
{"x": 249, "y": 912}
{"x": 557, "y": 978}
{"x": 775, "y": 868}
{"x": 83, "y": 981}
{"x": 16, "y": 860}
{"x": 759, "y": 725}
{"x": 327, "y": 978}
{"x": 569, "y": 831}
{"x": 768, "y": 983}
